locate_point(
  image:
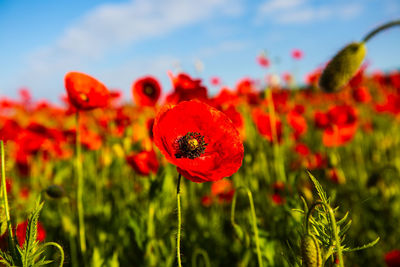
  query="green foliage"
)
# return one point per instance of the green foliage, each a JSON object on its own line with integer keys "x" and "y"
{"x": 32, "y": 253}
{"x": 326, "y": 228}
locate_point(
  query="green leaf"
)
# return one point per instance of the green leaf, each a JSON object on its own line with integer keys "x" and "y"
{"x": 371, "y": 244}
{"x": 31, "y": 235}
{"x": 320, "y": 190}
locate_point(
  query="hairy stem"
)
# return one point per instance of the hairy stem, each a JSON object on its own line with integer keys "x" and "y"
{"x": 59, "y": 249}
{"x": 5, "y": 201}
{"x": 178, "y": 237}
{"x": 379, "y": 29}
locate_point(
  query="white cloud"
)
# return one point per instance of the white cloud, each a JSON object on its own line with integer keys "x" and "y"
{"x": 301, "y": 11}
{"x": 113, "y": 27}
{"x": 278, "y": 5}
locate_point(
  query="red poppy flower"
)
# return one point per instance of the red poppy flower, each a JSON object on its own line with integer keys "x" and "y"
{"x": 215, "y": 81}
{"x": 361, "y": 95}
{"x": 206, "y": 201}
{"x": 392, "y": 258}
{"x": 235, "y": 116}
{"x": 144, "y": 162}
{"x": 263, "y": 124}
{"x": 297, "y": 54}
{"x": 245, "y": 86}
{"x": 297, "y": 122}
{"x": 225, "y": 97}
{"x": 21, "y": 232}
{"x": 287, "y": 77}
{"x": 146, "y": 91}
{"x": 223, "y": 190}
{"x": 200, "y": 140}
{"x": 302, "y": 149}
{"x": 186, "y": 88}
{"x": 85, "y": 92}
{"x": 263, "y": 61}
{"x": 277, "y": 196}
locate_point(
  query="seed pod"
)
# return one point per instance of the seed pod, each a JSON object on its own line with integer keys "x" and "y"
{"x": 55, "y": 191}
{"x": 310, "y": 251}
{"x": 342, "y": 67}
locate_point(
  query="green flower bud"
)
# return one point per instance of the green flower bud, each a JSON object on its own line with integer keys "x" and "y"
{"x": 342, "y": 67}
{"x": 55, "y": 191}
{"x": 310, "y": 251}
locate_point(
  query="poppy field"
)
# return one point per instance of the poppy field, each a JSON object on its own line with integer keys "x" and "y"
{"x": 261, "y": 174}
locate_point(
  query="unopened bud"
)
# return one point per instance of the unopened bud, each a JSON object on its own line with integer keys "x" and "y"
{"x": 55, "y": 191}
{"x": 342, "y": 67}
{"x": 310, "y": 251}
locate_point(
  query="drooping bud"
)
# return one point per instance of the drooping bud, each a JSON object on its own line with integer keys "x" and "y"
{"x": 55, "y": 191}
{"x": 342, "y": 67}
{"x": 310, "y": 251}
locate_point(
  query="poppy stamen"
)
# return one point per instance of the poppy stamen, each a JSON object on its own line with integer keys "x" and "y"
{"x": 149, "y": 90}
{"x": 84, "y": 97}
{"x": 191, "y": 146}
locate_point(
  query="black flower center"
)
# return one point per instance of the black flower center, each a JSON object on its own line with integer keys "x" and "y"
{"x": 191, "y": 146}
{"x": 149, "y": 89}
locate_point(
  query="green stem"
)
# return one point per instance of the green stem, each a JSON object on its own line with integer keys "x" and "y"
{"x": 79, "y": 191}
{"x": 333, "y": 225}
{"x": 178, "y": 237}
{"x": 5, "y": 200}
{"x": 253, "y": 220}
{"x": 203, "y": 253}
{"x": 59, "y": 248}
{"x": 278, "y": 160}
{"x": 379, "y": 29}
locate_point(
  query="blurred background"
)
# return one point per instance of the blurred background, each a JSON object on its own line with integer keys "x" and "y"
{"x": 119, "y": 41}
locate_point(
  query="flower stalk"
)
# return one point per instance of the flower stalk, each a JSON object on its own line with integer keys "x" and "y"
{"x": 379, "y": 29}
{"x": 178, "y": 237}
{"x": 253, "y": 220}
{"x": 79, "y": 191}
{"x": 5, "y": 200}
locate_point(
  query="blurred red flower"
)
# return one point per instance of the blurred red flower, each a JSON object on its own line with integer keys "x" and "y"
{"x": 279, "y": 189}
{"x": 215, "y": 81}
{"x": 186, "y": 88}
{"x": 392, "y": 258}
{"x": 223, "y": 190}
{"x": 263, "y": 123}
{"x": 146, "y": 91}
{"x": 339, "y": 124}
{"x": 297, "y": 121}
{"x": 85, "y": 92}
{"x": 361, "y": 95}
{"x": 263, "y": 61}
{"x": 21, "y": 232}
{"x": 144, "y": 162}
{"x": 297, "y": 54}
{"x": 200, "y": 140}
{"x": 245, "y": 86}
{"x": 302, "y": 149}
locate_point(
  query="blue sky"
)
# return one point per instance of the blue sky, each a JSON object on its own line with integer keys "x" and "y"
{"x": 119, "y": 41}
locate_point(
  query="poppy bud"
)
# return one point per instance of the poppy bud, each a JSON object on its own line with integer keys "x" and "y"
{"x": 3, "y": 221}
{"x": 342, "y": 67}
{"x": 310, "y": 251}
{"x": 55, "y": 191}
